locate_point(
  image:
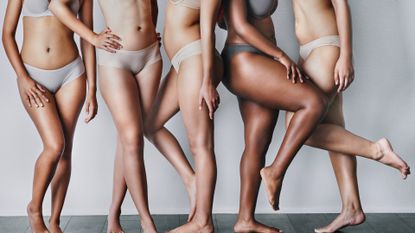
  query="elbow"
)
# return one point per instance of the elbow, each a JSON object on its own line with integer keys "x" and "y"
{"x": 241, "y": 30}
{"x": 6, "y": 37}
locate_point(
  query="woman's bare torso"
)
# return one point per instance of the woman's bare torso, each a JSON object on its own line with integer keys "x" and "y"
{"x": 264, "y": 26}
{"x": 131, "y": 20}
{"x": 314, "y": 19}
{"x": 182, "y": 26}
{"x": 47, "y": 43}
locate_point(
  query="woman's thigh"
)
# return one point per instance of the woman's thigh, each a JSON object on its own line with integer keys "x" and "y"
{"x": 120, "y": 91}
{"x": 264, "y": 80}
{"x": 46, "y": 120}
{"x": 197, "y": 121}
{"x": 319, "y": 67}
{"x": 69, "y": 101}
{"x": 148, "y": 84}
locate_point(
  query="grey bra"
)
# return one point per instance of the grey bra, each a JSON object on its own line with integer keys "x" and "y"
{"x": 261, "y": 9}
{"x": 40, "y": 8}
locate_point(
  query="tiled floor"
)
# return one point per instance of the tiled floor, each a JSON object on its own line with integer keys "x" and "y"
{"x": 290, "y": 223}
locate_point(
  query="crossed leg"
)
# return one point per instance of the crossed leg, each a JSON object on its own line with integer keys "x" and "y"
{"x": 127, "y": 98}
{"x": 148, "y": 81}
{"x": 51, "y": 127}
{"x": 259, "y": 123}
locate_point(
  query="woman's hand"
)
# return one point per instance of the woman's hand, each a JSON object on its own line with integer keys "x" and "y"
{"x": 210, "y": 96}
{"x": 34, "y": 93}
{"x": 293, "y": 71}
{"x": 343, "y": 73}
{"x": 91, "y": 106}
{"x": 107, "y": 41}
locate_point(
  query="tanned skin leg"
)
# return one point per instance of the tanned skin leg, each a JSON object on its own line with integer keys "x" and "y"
{"x": 69, "y": 99}
{"x": 48, "y": 124}
{"x": 200, "y": 136}
{"x": 264, "y": 81}
{"x": 164, "y": 108}
{"x": 259, "y": 124}
{"x": 124, "y": 99}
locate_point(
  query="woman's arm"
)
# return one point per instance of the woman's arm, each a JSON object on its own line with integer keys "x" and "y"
{"x": 34, "y": 94}
{"x": 344, "y": 71}
{"x": 238, "y": 17}
{"x": 154, "y": 11}
{"x": 208, "y": 15}
{"x": 88, "y": 55}
{"x": 105, "y": 40}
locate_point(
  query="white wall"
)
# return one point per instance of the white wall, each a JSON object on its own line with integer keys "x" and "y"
{"x": 379, "y": 103}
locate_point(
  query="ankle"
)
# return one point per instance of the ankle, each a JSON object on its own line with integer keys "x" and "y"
{"x": 203, "y": 220}
{"x": 352, "y": 208}
{"x": 245, "y": 218}
{"x": 189, "y": 180}
{"x": 34, "y": 209}
{"x": 377, "y": 151}
{"x": 54, "y": 221}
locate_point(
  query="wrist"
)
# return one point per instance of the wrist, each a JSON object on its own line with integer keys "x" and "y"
{"x": 92, "y": 38}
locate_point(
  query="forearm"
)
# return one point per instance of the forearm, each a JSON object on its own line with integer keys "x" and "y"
{"x": 12, "y": 52}
{"x": 63, "y": 13}
{"x": 344, "y": 25}
{"x": 209, "y": 11}
{"x": 154, "y": 11}
{"x": 88, "y": 55}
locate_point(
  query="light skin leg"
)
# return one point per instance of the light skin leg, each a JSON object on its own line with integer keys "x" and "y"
{"x": 123, "y": 98}
{"x": 48, "y": 124}
{"x": 259, "y": 124}
{"x": 165, "y": 107}
{"x": 69, "y": 99}
{"x": 148, "y": 82}
{"x": 199, "y": 130}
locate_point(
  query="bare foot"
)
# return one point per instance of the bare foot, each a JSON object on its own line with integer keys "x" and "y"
{"x": 273, "y": 187}
{"x": 253, "y": 226}
{"x": 114, "y": 225}
{"x": 191, "y": 190}
{"x": 194, "y": 227}
{"x": 148, "y": 227}
{"x": 345, "y": 219}
{"x": 37, "y": 225}
{"x": 55, "y": 228}
{"x": 388, "y": 157}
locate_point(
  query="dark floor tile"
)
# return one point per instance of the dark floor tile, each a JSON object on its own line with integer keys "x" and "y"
{"x": 280, "y": 221}
{"x": 409, "y": 219}
{"x": 166, "y": 222}
{"x": 86, "y": 224}
{"x": 388, "y": 223}
{"x": 13, "y": 224}
{"x": 305, "y": 223}
{"x": 225, "y": 222}
{"x": 362, "y": 228}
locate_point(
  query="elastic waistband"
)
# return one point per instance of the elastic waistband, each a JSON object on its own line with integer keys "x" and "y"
{"x": 321, "y": 40}
{"x": 72, "y": 63}
{"x": 153, "y": 45}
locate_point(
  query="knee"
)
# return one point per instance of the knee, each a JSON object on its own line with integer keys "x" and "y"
{"x": 256, "y": 147}
{"x": 54, "y": 148}
{"x": 150, "y": 130}
{"x": 317, "y": 104}
{"x": 132, "y": 141}
{"x": 200, "y": 145}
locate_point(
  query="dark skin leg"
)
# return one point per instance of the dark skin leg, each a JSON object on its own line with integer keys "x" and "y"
{"x": 264, "y": 81}
{"x": 259, "y": 123}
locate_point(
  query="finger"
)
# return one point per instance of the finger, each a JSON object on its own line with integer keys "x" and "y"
{"x": 336, "y": 78}
{"x": 115, "y": 37}
{"x": 288, "y": 73}
{"x": 300, "y": 76}
{"x": 41, "y": 95}
{"x": 210, "y": 107}
{"x": 40, "y": 87}
{"x": 346, "y": 83}
{"x": 293, "y": 74}
{"x": 27, "y": 99}
{"x": 37, "y": 100}
{"x": 341, "y": 81}
{"x": 32, "y": 101}
{"x": 200, "y": 102}
{"x": 113, "y": 44}
{"x": 33, "y": 98}
{"x": 108, "y": 49}
{"x": 90, "y": 113}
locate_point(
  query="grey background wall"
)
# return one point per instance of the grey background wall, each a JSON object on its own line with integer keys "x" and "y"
{"x": 381, "y": 102}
